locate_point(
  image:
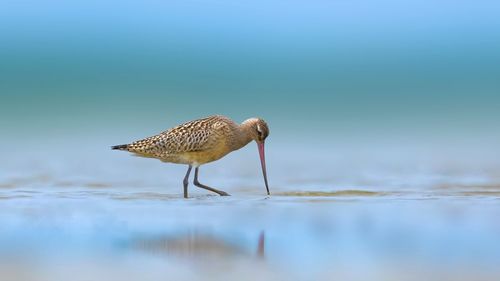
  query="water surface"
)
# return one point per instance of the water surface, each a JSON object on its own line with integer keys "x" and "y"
{"x": 124, "y": 218}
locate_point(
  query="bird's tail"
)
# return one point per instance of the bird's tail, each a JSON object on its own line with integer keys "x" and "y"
{"x": 120, "y": 147}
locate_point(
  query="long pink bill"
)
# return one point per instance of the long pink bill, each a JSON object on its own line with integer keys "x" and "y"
{"x": 263, "y": 164}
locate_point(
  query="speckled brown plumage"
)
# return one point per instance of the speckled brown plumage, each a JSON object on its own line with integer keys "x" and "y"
{"x": 196, "y": 142}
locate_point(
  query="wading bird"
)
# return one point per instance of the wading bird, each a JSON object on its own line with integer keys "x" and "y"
{"x": 202, "y": 141}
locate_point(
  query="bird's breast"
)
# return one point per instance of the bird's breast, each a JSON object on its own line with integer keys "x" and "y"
{"x": 205, "y": 156}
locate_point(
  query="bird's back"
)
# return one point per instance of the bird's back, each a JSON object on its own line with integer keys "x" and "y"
{"x": 199, "y": 141}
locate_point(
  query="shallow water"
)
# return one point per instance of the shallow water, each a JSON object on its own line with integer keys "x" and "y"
{"x": 122, "y": 234}
{"x": 66, "y": 216}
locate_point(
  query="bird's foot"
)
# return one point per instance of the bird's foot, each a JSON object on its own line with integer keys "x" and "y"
{"x": 223, "y": 193}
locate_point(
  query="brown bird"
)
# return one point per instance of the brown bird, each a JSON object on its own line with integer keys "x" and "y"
{"x": 202, "y": 141}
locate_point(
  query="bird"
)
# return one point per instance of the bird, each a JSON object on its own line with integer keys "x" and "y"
{"x": 202, "y": 141}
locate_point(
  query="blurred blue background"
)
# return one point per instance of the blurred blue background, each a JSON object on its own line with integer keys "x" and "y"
{"x": 347, "y": 69}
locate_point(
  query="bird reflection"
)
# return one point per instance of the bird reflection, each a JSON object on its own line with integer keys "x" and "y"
{"x": 196, "y": 244}
{"x": 261, "y": 246}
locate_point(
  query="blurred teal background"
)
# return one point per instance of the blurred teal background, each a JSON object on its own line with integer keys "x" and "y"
{"x": 384, "y": 69}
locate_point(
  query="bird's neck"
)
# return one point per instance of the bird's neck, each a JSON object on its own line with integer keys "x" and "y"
{"x": 244, "y": 136}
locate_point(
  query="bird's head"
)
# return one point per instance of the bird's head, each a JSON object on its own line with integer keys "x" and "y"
{"x": 259, "y": 131}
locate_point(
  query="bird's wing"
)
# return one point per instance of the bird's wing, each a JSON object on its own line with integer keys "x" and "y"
{"x": 197, "y": 135}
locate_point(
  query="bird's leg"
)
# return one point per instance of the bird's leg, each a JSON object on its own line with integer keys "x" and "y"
{"x": 198, "y": 184}
{"x": 186, "y": 181}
